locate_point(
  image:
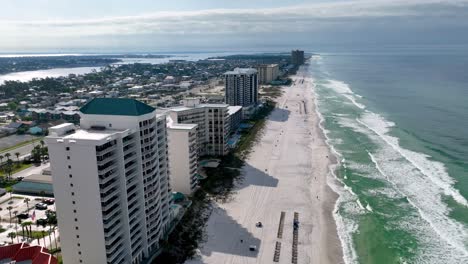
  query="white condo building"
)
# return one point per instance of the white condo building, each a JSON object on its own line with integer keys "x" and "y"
{"x": 111, "y": 182}
{"x": 241, "y": 87}
{"x": 183, "y": 156}
{"x": 213, "y": 124}
{"x": 267, "y": 73}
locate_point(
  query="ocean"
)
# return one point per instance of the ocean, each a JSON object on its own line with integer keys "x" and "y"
{"x": 398, "y": 122}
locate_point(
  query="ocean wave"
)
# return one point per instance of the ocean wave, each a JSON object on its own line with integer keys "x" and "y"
{"x": 422, "y": 181}
{"x": 345, "y": 226}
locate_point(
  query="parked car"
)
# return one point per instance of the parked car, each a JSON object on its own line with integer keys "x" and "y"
{"x": 49, "y": 201}
{"x": 23, "y": 216}
{"x": 41, "y": 222}
{"x": 41, "y": 206}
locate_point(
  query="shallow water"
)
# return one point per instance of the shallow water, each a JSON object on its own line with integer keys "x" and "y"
{"x": 399, "y": 122}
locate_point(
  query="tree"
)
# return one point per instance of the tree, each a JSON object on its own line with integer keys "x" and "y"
{"x": 43, "y": 236}
{"x": 27, "y": 200}
{"x": 17, "y": 154}
{"x": 28, "y": 225}
{"x": 9, "y": 210}
{"x": 12, "y": 235}
{"x": 1, "y": 159}
{"x": 9, "y": 168}
{"x": 9, "y": 190}
{"x": 7, "y": 155}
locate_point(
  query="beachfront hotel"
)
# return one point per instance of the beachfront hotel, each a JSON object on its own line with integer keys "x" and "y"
{"x": 241, "y": 87}
{"x": 213, "y": 122}
{"x": 267, "y": 73}
{"x": 111, "y": 182}
{"x": 183, "y": 156}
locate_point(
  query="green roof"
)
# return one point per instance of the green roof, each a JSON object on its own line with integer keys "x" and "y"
{"x": 116, "y": 106}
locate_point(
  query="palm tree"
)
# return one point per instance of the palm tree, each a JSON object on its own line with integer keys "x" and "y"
{"x": 28, "y": 225}
{"x": 9, "y": 167}
{"x": 42, "y": 143}
{"x": 27, "y": 200}
{"x": 17, "y": 154}
{"x": 1, "y": 159}
{"x": 43, "y": 236}
{"x": 12, "y": 235}
{"x": 7, "y": 155}
{"x": 9, "y": 208}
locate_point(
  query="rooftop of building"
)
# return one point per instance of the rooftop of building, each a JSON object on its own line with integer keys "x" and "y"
{"x": 92, "y": 134}
{"x": 184, "y": 108}
{"x": 242, "y": 71}
{"x": 234, "y": 109}
{"x": 181, "y": 126}
{"x": 116, "y": 106}
{"x": 24, "y": 253}
{"x": 267, "y": 65}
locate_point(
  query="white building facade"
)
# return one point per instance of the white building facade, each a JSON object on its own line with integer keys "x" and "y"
{"x": 213, "y": 125}
{"x": 111, "y": 182}
{"x": 241, "y": 87}
{"x": 183, "y": 157}
{"x": 267, "y": 73}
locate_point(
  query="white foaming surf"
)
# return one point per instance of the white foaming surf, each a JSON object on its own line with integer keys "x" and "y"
{"x": 345, "y": 226}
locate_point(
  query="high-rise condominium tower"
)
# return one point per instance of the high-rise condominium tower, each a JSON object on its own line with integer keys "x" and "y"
{"x": 111, "y": 182}
{"x": 241, "y": 87}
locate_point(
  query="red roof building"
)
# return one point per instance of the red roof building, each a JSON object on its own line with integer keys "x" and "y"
{"x": 17, "y": 253}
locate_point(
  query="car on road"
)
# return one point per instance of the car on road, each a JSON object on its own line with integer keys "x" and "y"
{"x": 49, "y": 201}
{"x": 41, "y": 206}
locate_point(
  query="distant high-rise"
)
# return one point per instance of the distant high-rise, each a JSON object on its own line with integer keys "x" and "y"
{"x": 297, "y": 57}
{"x": 241, "y": 87}
{"x": 111, "y": 182}
{"x": 267, "y": 73}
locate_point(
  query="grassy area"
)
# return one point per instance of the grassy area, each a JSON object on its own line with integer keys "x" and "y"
{"x": 21, "y": 166}
{"x": 218, "y": 186}
{"x": 272, "y": 92}
{"x": 21, "y": 144}
{"x": 34, "y": 234}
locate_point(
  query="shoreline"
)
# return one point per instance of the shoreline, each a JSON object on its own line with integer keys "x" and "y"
{"x": 286, "y": 171}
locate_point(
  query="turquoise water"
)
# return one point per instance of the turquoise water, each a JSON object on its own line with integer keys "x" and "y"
{"x": 399, "y": 122}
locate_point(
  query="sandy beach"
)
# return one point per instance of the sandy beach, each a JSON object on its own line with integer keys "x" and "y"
{"x": 286, "y": 172}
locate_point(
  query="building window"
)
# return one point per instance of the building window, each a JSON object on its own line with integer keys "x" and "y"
{"x": 74, "y": 211}
{"x": 72, "y": 193}
{"x": 69, "y": 175}
{"x": 71, "y": 184}
{"x": 73, "y": 202}
{"x": 79, "y": 245}
{"x": 68, "y": 157}
{"x": 67, "y": 148}
{"x": 77, "y": 236}
{"x": 79, "y": 252}
{"x": 76, "y": 219}
{"x": 69, "y": 166}
{"x": 76, "y": 228}
{"x": 110, "y": 125}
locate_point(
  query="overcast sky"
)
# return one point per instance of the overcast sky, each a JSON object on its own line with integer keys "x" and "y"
{"x": 200, "y": 25}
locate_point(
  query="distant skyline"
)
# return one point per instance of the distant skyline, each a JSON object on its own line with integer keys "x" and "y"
{"x": 203, "y": 25}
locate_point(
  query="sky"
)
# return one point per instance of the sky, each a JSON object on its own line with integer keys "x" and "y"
{"x": 215, "y": 25}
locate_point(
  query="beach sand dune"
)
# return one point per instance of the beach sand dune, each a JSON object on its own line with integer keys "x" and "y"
{"x": 286, "y": 172}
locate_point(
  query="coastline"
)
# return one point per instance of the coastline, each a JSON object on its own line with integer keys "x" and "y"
{"x": 287, "y": 171}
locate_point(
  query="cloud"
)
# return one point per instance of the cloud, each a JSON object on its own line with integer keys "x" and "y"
{"x": 334, "y": 16}
{"x": 296, "y": 18}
